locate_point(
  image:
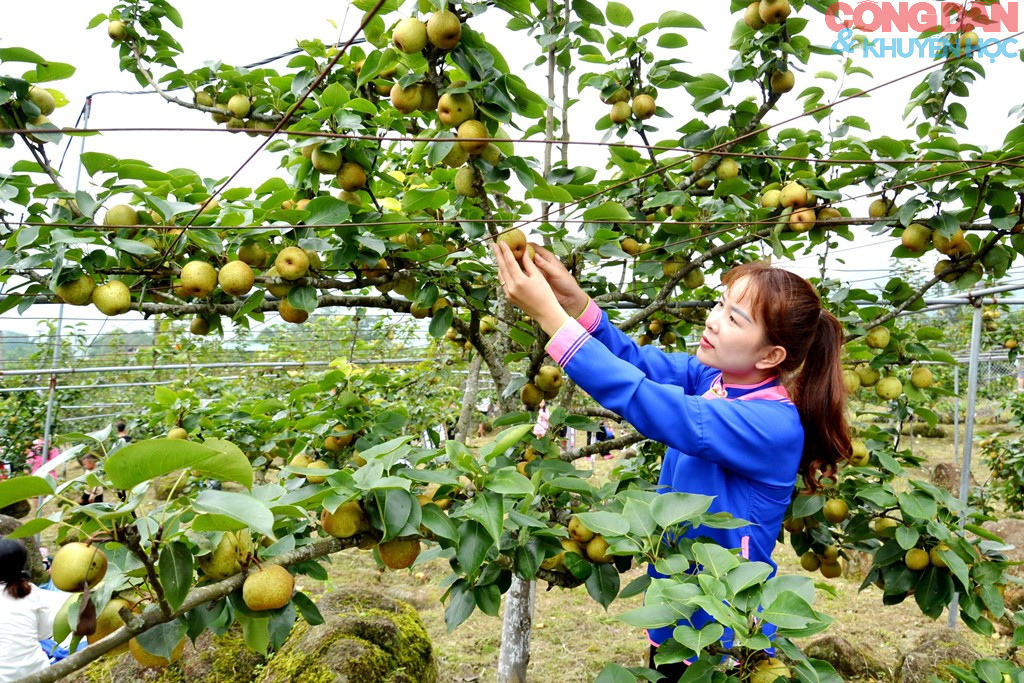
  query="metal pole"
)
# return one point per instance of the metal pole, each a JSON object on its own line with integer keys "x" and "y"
{"x": 965, "y": 471}
{"x": 204, "y": 366}
{"x": 52, "y": 397}
{"x": 956, "y": 414}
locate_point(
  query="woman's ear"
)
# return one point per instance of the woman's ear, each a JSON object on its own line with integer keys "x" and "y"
{"x": 772, "y": 357}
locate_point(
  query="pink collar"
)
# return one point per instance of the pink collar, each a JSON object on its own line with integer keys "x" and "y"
{"x": 776, "y": 392}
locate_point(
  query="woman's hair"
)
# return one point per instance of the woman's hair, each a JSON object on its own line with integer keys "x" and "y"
{"x": 13, "y": 558}
{"x": 790, "y": 310}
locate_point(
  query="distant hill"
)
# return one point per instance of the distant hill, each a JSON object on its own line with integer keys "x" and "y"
{"x": 15, "y": 346}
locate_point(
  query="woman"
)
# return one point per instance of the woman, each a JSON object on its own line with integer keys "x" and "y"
{"x": 25, "y": 618}
{"x": 762, "y": 401}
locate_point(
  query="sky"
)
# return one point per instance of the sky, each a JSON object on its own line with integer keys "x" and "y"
{"x": 240, "y": 35}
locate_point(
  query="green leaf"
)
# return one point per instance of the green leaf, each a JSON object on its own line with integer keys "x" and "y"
{"x": 509, "y": 482}
{"x": 609, "y": 211}
{"x": 460, "y": 604}
{"x": 603, "y": 584}
{"x": 23, "y": 488}
{"x": 256, "y": 633}
{"x": 163, "y": 638}
{"x": 439, "y": 523}
{"x": 175, "y": 571}
{"x": 676, "y": 19}
{"x": 239, "y": 507}
{"x": 20, "y": 54}
{"x": 504, "y": 441}
{"x": 698, "y": 640}
{"x": 746, "y": 575}
{"x": 605, "y": 523}
{"x": 489, "y": 510}
{"x": 474, "y": 545}
{"x": 670, "y": 509}
{"x": 488, "y": 599}
{"x": 618, "y": 14}
{"x": 587, "y": 12}
{"x": 31, "y": 528}
{"x": 615, "y": 673}
{"x": 717, "y": 561}
{"x": 400, "y": 512}
{"x": 144, "y": 460}
{"x": 789, "y": 611}
{"x": 649, "y": 616}
{"x": 917, "y": 505}
{"x": 308, "y": 609}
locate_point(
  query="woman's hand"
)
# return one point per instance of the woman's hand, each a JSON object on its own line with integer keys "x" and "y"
{"x": 528, "y": 289}
{"x": 569, "y": 293}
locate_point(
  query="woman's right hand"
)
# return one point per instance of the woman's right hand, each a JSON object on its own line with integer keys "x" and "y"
{"x": 568, "y": 292}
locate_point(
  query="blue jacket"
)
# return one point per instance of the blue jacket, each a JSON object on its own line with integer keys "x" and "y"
{"x": 740, "y": 444}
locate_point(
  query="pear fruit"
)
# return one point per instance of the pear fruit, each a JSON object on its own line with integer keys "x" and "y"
{"x": 77, "y": 292}
{"x": 466, "y": 180}
{"x": 112, "y": 298}
{"x": 199, "y": 326}
{"x": 410, "y": 36}
{"x": 121, "y": 215}
{"x": 771, "y": 669}
{"x": 836, "y": 510}
{"x": 620, "y": 112}
{"x": 177, "y": 433}
{"x": 42, "y": 98}
{"x": 880, "y": 208}
{"x": 291, "y": 263}
{"x": 643, "y": 106}
{"x": 278, "y": 290}
{"x": 108, "y": 621}
{"x": 290, "y": 314}
{"x": 867, "y": 374}
{"x": 888, "y": 388}
{"x": 727, "y": 168}
{"x": 693, "y": 279}
{"x": 351, "y": 176}
{"x": 473, "y": 136}
{"x": 771, "y": 199}
{"x": 239, "y": 105}
{"x": 921, "y": 377}
{"x": 236, "y": 278}
{"x": 117, "y": 31}
{"x": 316, "y": 478}
{"x": 151, "y": 661}
{"x": 828, "y": 213}
{"x": 802, "y": 220}
{"x": 774, "y": 11}
{"x": 516, "y": 241}
{"x": 406, "y": 100}
{"x": 851, "y": 380}
{"x": 326, "y": 162}
{"x": 752, "y": 16}
{"x": 233, "y": 553}
{"x": 878, "y": 337}
{"x": 597, "y": 550}
{"x": 793, "y": 194}
{"x": 268, "y": 588}
{"x": 782, "y": 81}
{"x": 917, "y": 238}
{"x": 454, "y": 109}
{"x": 77, "y": 565}
{"x": 954, "y": 245}
{"x": 557, "y": 562}
{"x": 345, "y": 522}
{"x": 456, "y": 156}
{"x": 444, "y": 30}
{"x": 859, "y": 456}
{"x": 631, "y": 246}
{"x": 549, "y": 380}
{"x": 531, "y": 395}
{"x": 198, "y": 279}
{"x": 578, "y": 531}
{"x": 340, "y": 437}
{"x": 399, "y": 553}
{"x": 252, "y": 254}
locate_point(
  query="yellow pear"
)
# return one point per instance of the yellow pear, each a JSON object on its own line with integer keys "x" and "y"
{"x": 410, "y": 36}
{"x": 473, "y": 136}
{"x": 454, "y": 109}
{"x": 77, "y": 292}
{"x": 76, "y": 565}
{"x": 444, "y": 30}
{"x": 291, "y": 263}
{"x": 351, "y": 176}
{"x": 198, "y": 278}
{"x": 236, "y": 278}
{"x": 268, "y": 588}
{"x": 121, "y": 215}
{"x": 112, "y": 298}
{"x": 345, "y": 522}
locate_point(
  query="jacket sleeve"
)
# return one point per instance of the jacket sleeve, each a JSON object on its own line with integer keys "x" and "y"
{"x": 738, "y": 435}
{"x": 649, "y": 360}
{"x": 44, "y": 618}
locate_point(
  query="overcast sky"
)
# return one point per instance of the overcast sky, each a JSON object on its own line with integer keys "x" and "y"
{"x": 242, "y": 34}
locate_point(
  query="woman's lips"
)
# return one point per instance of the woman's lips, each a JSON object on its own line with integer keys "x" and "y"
{"x": 705, "y": 344}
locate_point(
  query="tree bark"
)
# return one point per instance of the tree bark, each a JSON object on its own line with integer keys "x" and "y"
{"x": 465, "y": 423}
{"x": 516, "y": 628}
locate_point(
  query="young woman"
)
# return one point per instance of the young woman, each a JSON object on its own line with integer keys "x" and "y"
{"x": 25, "y": 617}
{"x": 761, "y": 401}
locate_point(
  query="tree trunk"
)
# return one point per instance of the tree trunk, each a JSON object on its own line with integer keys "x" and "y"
{"x": 465, "y": 423}
{"x": 516, "y": 628}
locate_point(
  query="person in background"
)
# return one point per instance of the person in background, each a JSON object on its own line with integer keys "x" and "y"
{"x": 90, "y": 494}
{"x": 604, "y": 433}
{"x": 540, "y": 428}
{"x": 25, "y": 617}
{"x": 122, "y": 432}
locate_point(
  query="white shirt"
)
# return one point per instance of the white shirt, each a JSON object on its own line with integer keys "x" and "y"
{"x": 23, "y": 623}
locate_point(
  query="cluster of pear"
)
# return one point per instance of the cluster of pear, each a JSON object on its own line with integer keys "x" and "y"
{"x": 44, "y": 100}
{"x": 349, "y": 175}
{"x": 583, "y": 542}
{"x": 661, "y": 329}
{"x": 887, "y": 387}
{"x": 763, "y": 13}
{"x": 800, "y": 203}
{"x": 545, "y": 386}
{"x": 350, "y": 519}
{"x": 234, "y": 110}
{"x": 625, "y": 106}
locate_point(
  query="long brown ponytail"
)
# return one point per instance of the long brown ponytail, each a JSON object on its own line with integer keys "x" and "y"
{"x": 790, "y": 310}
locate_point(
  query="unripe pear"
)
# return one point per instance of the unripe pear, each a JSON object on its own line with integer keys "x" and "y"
{"x": 889, "y": 388}
{"x": 77, "y": 565}
{"x": 199, "y": 326}
{"x": 867, "y": 374}
{"x": 516, "y": 241}
{"x": 473, "y": 136}
{"x": 878, "y": 337}
{"x": 112, "y": 298}
{"x": 880, "y": 208}
{"x": 178, "y": 433}
{"x": 531, "y": 396}
{"x": 406, "y": 100}
{"x": 444, "y": 30}
{"x": 77, "y": 292}
{"x": 620, "y": 112}
{"x": 351, "y": 176}
{"x": 121, "y": 215}
{"x": 236, "y": 278}
{"x": 42, "y": 99}
{"x": 345, "y": 522}
{"x": 410, "y": 36}
{"x": 782, "y": 81}
{"x": 268, "y": 588}
{"x": 326, "y": 162}
{"x": 771, "y": 199}
{"x": 291, "y": 263}
{"x": 466, "y": 180}
{"x": 774, "y": 11}
{"x": 917, "y": 238}
{"x": 727, "y": 168}
{"x": 198, "y": 278}
{"x": 644, "y": 106}
{"x": 793, "y": 194}
{"x": 752, "y": 16}
{"x": 239, "y": 106}
{"x": 921, "y": 377}
{"x": 117, "y": 31}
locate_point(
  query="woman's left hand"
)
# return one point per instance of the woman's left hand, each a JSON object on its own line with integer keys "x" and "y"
{"x": 527, "y": 288}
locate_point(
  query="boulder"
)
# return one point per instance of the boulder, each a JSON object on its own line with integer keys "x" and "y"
{"x": 366, "y": 637}
{"x": 848, "y": 660}
{"x": 35, "y": 560}
{"x": 930, "y": 656}
{"x": 1012, "y": 533}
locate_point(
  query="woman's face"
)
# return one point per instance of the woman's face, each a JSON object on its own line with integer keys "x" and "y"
{"x": 733, "y": 340}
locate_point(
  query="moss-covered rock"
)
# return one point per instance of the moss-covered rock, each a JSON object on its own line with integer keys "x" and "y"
{"x": 848, "y": 660}
{"x": 214, "y": 659}
{"x": 35, "y": 560}
{"x": 932, "y": 654}
{"x": 366, "y": 637}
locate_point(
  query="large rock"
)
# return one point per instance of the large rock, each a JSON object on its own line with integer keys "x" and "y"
{"x": 848, "y": 660}
{"x": 366, "y": 637}
{"x": 931, "y": 655}
{"x": 35, "y": 560}
{"x": 1012, "y": 533}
